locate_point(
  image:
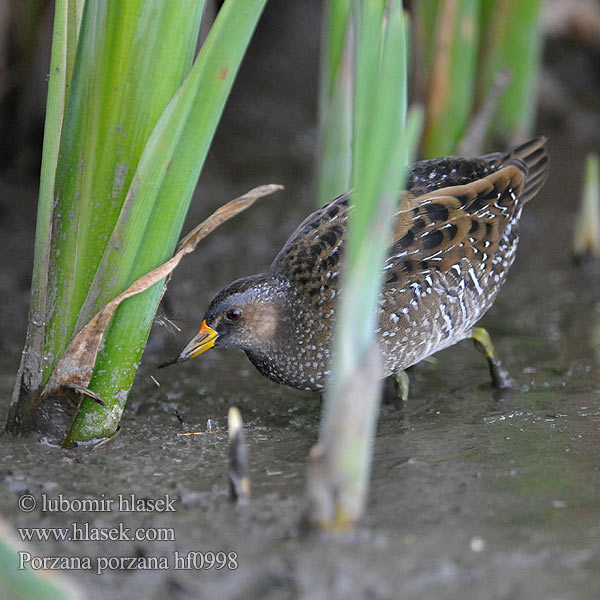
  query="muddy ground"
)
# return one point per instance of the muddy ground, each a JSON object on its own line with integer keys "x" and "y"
{"x": 474, "y": 494}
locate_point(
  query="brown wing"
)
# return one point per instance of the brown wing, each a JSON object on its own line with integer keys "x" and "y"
{"x": 436, "y": 230}
{"x": 311, "y": 256}
{"x": 432, "y": 231}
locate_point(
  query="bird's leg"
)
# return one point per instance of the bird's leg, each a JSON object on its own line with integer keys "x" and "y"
{"x": 401, "y": 385}
{"x": 483, "y": 343}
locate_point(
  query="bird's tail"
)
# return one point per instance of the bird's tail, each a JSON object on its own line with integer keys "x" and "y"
{"x": 533, "y": 154}
{"x": 532, "y": 158}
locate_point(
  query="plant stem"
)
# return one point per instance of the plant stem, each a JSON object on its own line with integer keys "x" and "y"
{"x": 153, "y": 213}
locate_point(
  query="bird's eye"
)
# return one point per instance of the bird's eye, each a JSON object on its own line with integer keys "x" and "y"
{"x": 233, "y": 315}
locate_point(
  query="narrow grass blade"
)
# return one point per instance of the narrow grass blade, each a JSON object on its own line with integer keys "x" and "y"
{"x": 340, "y": 463}
{"x": 19, "y": 581}
{"x": 511, "y": 39}
{"x": 473, "y": 141}
{"x": 239, "y": 482}
{"x": 336, "y": 18}
{"x": 335, "y": 102}
{"x": 64, "y": 42}
{"x": 586, "y": 239}
{"x": 451, "y": 89}
{"x": 423, "y": 20}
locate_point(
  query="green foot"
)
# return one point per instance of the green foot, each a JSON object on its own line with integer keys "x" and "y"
{"x": 401, "y": 384}
{"x": 483, "y": 343}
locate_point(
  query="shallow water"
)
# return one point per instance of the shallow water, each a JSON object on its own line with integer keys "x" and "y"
{"x": 474, "y": 493}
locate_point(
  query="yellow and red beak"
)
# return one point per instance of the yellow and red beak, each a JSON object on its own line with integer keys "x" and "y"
{"x": 202, "y": 341}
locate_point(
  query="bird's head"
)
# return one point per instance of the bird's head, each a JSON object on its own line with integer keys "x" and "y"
{"x": 246, "y": 315}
